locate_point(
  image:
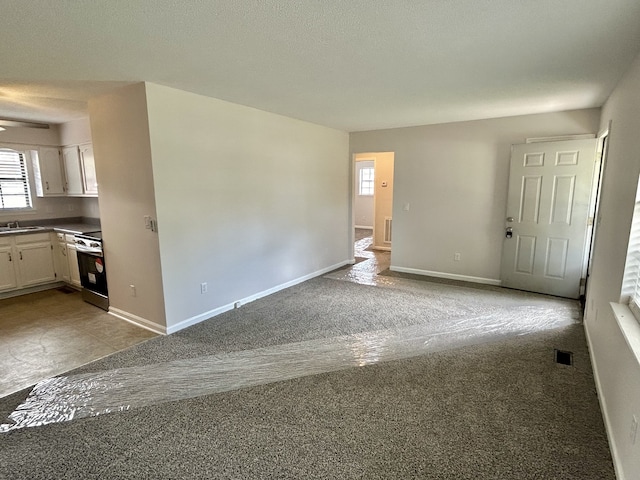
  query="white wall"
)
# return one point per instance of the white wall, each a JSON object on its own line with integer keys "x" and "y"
{"x": 31, "y": 136}
{"x": 90, "y": 207}
{"x": 120, "y": 132}
{"x": 247, "y": 200}
{"x": 363, "y": 204}
{"x": 454, "y": 176}
{"x": 75, "y": 132}
{"x": 615, "y": 366}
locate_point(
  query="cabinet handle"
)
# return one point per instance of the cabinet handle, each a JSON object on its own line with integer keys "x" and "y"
{"x": 20, "y": 254}
{"x": 47, "y": 183}
{"x": 10, "y": 256}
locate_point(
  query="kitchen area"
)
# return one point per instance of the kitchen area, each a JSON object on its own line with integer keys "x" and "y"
{"x": 53, "y": 271}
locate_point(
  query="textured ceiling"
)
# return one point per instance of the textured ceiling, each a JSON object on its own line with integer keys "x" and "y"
{"x": 352, "y": 65}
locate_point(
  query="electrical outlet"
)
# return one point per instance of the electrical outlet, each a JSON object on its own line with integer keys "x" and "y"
{"x": 132, "y": 290}
{"x": 456, "y": 257}
{"x": 236, "y": 305}
{"x": 203, "y": 287}
{"x": 407, "y": 207}
{"x": 633, "y": 431}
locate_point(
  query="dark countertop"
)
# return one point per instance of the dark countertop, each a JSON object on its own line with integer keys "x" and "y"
{"x": 76, "y": 228}
{"x": 64, "y": 225}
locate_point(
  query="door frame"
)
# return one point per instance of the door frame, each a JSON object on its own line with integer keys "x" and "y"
{"x": 598, "y": 178}
{"x": 354, "y": 192}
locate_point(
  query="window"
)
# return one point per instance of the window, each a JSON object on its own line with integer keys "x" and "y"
{"x": 631, "y": 281}
{"x": 14, "y": 183}
{"x": 366, "y": 181}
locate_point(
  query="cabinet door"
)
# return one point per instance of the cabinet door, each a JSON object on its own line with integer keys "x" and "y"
{"x": 51, "y": 178}
{"x": 72, "y": 170}
{"x": 7, "y": 271}
{"x": 90, "y": 183}
{"x": 62, "y": 262}
{"x": 74, "y": 270}
{"x": 35, "y": 264}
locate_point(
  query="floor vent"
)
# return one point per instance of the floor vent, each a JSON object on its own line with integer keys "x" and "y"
{"x": 563, "y": 357}
{"x": 387, "y": 229}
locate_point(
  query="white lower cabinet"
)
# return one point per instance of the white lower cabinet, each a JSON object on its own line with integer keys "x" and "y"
{"x": 67, "y": 259}
{"x": 8, "y": 279}
{"x": 25, "y": 261}
{"x": 74, "y": 270}
{"x": 61, "y": 260}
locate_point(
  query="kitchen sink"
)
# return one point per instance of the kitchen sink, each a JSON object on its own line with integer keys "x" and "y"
{"x": 19, "y": 229}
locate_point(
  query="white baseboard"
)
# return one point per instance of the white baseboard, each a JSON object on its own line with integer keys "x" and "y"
{"x": 139, "y": 321}
{"x": 230, "y": 306}
{"x": 450, "y": 276}
{"x": 364, "y": 227}
{"x": 27, "y": 290}
{"x": 383, "y": 249}
{"x": 603, "y": 408}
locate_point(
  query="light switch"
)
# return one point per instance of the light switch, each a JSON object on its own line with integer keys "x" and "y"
{"x": 407, "y": 206}
{"x": 147, "y": 222}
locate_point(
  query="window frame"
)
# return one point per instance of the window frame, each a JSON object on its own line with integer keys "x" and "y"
{"x": 22, "y": 178}
{"x": 367, "y": 184}
{"x": 631, "y": 280}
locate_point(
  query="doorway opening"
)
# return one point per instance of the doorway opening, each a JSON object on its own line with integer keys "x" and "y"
{"x": 372, "y": 199}
{"x": 372, "y": 207}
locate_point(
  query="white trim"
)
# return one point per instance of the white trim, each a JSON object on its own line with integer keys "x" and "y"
{"x": 139, "y": 321}
{"x": 450, "y": 276}
{"x": 37, "y": 288}
{"x": 560, "y": 138}
{"x": 617, "y": 466}
{"x": 365, "y": 227}
{"x": 629, "y": 327}
{"x": 230, "y": 306}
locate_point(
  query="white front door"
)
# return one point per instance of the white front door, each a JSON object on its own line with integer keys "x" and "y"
{"x": 547, "y": 209}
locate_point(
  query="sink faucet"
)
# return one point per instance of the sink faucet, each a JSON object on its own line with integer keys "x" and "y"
{"x": 13, "y": 224}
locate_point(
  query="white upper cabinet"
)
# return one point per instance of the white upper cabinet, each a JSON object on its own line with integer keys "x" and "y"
{"x": 90, "y": 181}
{"x": 73, "y": 170}
{"x": 48, "y": 173}
{"x": 80, "y": 170}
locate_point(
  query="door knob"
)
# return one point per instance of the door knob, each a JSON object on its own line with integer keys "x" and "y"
{"x": 509, "y": 219}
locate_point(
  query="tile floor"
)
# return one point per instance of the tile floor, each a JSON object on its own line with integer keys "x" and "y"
{"x": 48, "y": 333}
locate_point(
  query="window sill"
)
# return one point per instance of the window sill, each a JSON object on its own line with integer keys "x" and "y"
{"x": 629, "y": 326}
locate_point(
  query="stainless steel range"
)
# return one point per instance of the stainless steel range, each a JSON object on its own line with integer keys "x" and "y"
{"x": 93, "y": 274}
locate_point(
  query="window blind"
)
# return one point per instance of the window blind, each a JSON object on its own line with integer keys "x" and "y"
{"x": 631, "y": 281}
{"x": 14, "y": 183}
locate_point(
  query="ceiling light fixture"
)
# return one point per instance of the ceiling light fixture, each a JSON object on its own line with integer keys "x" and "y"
{"x": 7, "y": 122}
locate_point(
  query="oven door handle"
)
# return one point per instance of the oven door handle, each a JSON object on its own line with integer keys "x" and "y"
{"x": 88, "y": 250}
